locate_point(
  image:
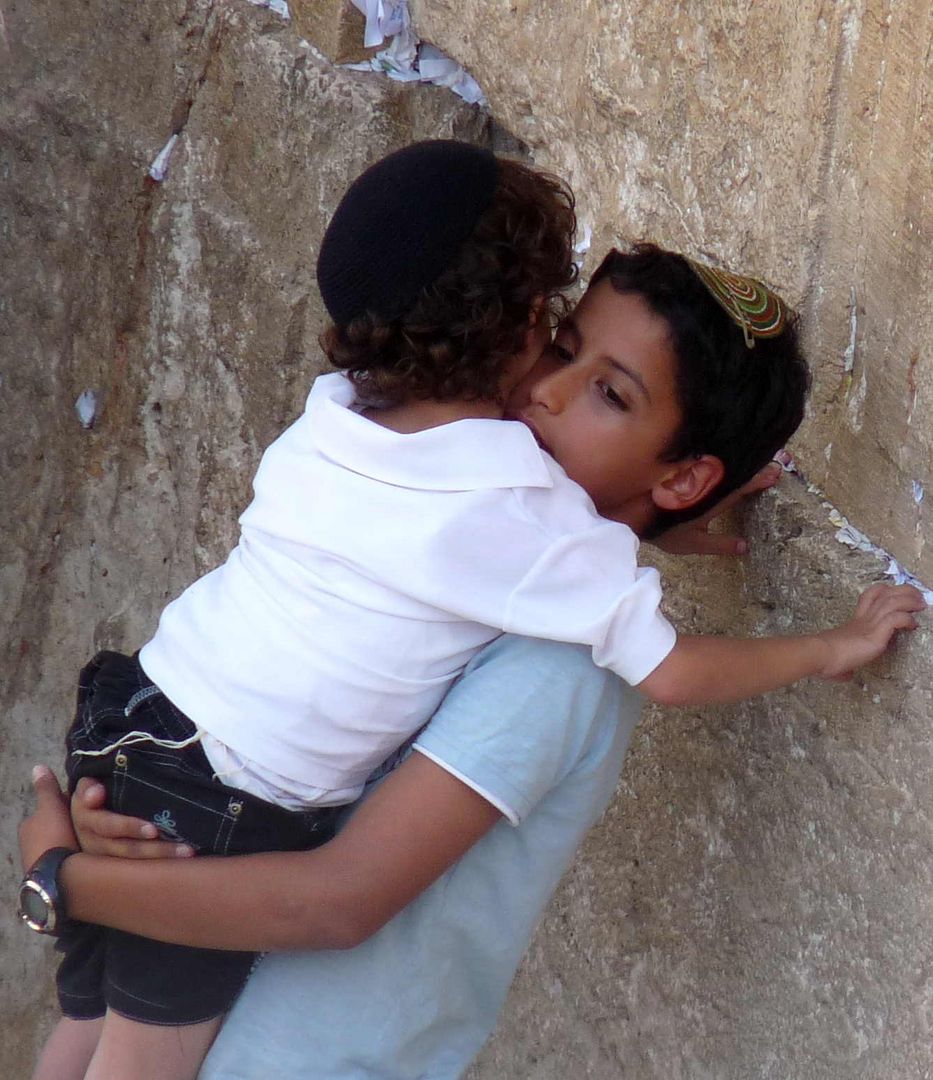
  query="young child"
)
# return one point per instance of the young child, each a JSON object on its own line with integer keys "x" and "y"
{"x": 395, "y": 531}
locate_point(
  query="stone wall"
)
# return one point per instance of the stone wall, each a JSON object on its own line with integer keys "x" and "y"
{"x": 756, "y": 903}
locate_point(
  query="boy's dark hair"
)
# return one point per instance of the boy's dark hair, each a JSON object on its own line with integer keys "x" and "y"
{"x": 739, "y": 404}
{"x": 455, "y": 339}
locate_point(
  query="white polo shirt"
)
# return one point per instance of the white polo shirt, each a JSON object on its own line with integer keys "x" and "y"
{"x": 371, "y": 567}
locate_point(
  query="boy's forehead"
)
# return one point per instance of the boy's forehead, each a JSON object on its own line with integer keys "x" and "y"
{"x": 603, "y": 301}
{"x": 622, "y": 324}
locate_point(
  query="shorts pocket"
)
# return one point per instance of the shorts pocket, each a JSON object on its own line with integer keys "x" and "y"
{"x": 200, "y": 814}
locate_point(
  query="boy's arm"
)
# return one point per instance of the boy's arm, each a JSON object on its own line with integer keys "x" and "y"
{"x": 404, "y": 836}
{"x": 703, "y": 670}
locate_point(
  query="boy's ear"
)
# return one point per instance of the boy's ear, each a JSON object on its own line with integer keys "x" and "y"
{"x": 688, "y": 483}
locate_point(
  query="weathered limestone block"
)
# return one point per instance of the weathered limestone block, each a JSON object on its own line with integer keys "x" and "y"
{"x": 335, "y": 27}
{"x": 869, "y": 313}
{"x": 687, "y": 125}
{"x": 790, "y": 140}
{"x": 189, "y": 307}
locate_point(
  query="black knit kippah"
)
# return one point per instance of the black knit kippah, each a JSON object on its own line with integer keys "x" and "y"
{"x": 400, "y": 225}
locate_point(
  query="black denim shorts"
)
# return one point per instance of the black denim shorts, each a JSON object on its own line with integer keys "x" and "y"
{"x": 173, "y": 787}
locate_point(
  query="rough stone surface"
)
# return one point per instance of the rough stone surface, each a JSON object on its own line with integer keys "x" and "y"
{"x": 334, "y": 26}
{"x": 868, "y": 309}
{"x": 757, "y": 901}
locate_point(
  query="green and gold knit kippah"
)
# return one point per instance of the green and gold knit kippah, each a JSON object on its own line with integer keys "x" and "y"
{"x": 748, "y": 302}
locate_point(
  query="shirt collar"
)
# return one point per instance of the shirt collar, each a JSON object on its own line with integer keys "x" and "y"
{"x": 461, "y": 456}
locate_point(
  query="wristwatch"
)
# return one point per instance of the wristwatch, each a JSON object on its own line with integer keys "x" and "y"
{"x": 41, "y": 904}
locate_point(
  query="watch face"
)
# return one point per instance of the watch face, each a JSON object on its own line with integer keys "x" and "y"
{"x": 34, "y": 906}
{"x": 41, "y": 906}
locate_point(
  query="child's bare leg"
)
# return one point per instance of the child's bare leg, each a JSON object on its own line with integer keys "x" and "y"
{"x": 68, "y": 1050}
{"x": 131, "y": 1050}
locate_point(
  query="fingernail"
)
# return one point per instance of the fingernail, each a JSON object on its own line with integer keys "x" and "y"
{"x": 741, "y": 547}
{"x": 38, "y": 772}
{"x": 150, "y": 832}
{"x": 183, "y": 851}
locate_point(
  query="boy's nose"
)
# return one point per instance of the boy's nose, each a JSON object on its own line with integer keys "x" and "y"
{"x": 554, "y": 390}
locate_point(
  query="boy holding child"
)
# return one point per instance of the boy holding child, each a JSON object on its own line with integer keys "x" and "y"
{"x": 668, "y": 387}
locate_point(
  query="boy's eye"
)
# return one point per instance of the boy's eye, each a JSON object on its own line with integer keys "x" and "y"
{"x": 612, "y": 397}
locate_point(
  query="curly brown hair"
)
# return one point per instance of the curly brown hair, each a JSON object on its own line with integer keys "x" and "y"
{"x": 456, "y": 340}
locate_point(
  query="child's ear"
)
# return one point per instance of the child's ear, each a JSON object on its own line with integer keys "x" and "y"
{"x": 688, "y": 483}
{"x": 538, "y": 333}
{"x": 538, "y": 311}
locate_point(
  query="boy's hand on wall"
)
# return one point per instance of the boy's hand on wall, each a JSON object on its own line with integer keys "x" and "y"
{"x": 694, "y": 537}
{"x": 881, "y": 611}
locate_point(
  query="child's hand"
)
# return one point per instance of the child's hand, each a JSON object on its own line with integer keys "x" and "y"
{"x": 103, "y": 832}
{"x": 881, "y": 611}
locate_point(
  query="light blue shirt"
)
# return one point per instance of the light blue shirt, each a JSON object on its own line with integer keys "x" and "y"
{"x": 541, "y": 732}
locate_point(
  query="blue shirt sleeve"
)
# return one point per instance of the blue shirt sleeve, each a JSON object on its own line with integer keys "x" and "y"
{"x": 514, "y": 760}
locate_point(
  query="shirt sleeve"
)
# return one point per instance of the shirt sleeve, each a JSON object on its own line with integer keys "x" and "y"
{"x": 520, "y": 719}
{"x": 588, "y": 588}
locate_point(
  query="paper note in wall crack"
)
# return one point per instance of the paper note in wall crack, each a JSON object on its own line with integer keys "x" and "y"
{"x": 158, "y": 170}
